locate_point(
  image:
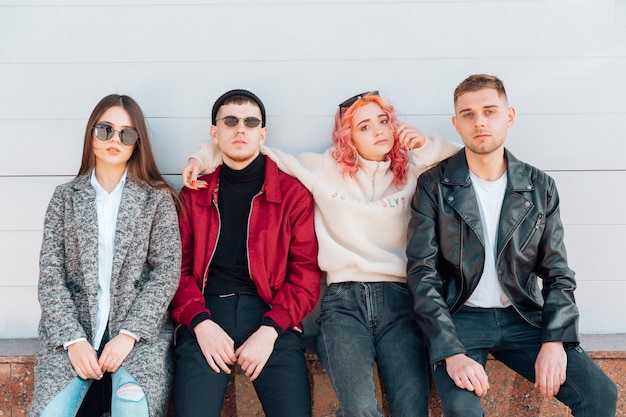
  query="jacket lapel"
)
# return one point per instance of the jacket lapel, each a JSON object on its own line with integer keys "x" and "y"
{"x": 458, "y": 193}
{"x": 516, "y": 206}
{"x": 86, "y": 220}
{"x": 133, "y": 198}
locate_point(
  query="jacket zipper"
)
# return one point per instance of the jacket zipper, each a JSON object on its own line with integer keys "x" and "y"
{"x": 462, "y": 280}
{"x": 537, "y": 223}
{"x": 248, "y": 234}
{"x": 535, "y": 228}
{"x": 206, "y": 269}
{"x": 205, "y": 277}
{"x": 374, "y": 182}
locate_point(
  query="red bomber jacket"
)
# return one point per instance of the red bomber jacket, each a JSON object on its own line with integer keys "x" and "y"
{"x": 282, "y": 248}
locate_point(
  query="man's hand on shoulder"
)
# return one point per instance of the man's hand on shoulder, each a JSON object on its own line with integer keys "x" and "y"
{"x": 190, "y": 174}
{"x": 217, "y": 346}
{"x": 550, "y": 368}
{"x": 467, "y": 374}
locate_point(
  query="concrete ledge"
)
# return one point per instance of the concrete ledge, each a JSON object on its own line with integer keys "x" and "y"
{"x": 510, "y": 394}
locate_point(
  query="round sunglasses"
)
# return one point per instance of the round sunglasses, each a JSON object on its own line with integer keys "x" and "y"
{"x": 104, "y": 132}
{"x": 232, "y": 121}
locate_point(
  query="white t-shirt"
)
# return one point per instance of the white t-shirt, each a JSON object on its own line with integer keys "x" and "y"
{"x": 490, "y": 194}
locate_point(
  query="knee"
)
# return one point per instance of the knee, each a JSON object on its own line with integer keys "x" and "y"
{"x": 598, "y": 399}
{"x": 459, "y": 410}
{"x": 130, "y": 392}
{"x": 463, "y": 404}
{"x": 359, "y": 411}
{"x": 611, "y": 390}
{"x": 606, "y": 399}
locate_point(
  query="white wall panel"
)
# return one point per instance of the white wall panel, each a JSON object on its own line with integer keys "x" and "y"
{"x": 602, "y": 307}
{"x": 563, "y": 63}
{"x": 30, "y": 3}
{"x": 19, "y": 258}
{"x": 54, "y": 147}
{"x": 588, "y": 142}
{"x": 593, "y": 252}
{"x": 564, "y": 142}
{"x": 25, "y": 200}
{"x": 308, "y": 30}
{"x": 19, "y": 312}
{"x": 592, "y": 198}
{"x": 587, "y": 85}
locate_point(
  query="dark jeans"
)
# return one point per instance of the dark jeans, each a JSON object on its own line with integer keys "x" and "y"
{"x": 363, "y": 322}
{"x": 283, "y": 385}
{"x": 510, "y": 339}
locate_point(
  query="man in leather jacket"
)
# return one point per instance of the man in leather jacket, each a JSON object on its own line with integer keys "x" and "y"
{"x": 484, "y": 228}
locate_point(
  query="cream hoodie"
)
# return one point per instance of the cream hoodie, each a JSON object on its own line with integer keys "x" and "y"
{"x": 360, "y": 221}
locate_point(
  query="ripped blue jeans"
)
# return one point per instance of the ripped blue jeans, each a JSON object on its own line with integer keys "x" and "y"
{"x": 128, "y": 399}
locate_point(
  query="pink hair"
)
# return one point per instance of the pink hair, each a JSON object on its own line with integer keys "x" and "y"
{"x": 345, "y": 152}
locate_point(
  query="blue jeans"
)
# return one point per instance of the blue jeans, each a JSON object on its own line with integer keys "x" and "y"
{"x": 364, "y": 322}
{"x": 510, "y": 339}
{"x": 128, "y": 398}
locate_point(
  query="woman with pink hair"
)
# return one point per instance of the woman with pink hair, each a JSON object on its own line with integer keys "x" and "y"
{"x": 363, "y": 186}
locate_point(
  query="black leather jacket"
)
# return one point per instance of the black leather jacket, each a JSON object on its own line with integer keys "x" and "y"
{"x": 446, "y": 252}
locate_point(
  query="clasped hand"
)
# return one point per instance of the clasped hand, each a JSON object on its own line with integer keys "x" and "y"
{"x": 86, "y": 363}
{"x": 219, "y": 351}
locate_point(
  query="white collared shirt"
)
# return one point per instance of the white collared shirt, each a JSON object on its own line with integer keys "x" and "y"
{"x": 107, "y": 207}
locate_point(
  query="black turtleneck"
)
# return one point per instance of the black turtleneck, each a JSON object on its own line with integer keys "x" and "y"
{"x": 228, "y": 272}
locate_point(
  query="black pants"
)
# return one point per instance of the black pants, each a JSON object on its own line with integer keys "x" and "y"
{"x": 97, "y": 401}
{"x": 282, "y": 387}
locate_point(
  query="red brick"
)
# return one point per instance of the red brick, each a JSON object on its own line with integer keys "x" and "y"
{"x": 510, "y": 394}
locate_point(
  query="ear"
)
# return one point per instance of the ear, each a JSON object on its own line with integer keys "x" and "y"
{"x": 214, "y": 134}
{"x": 511, "y": 116}
{"x": 454, "y": 123}
{"x": 263, "y": 133}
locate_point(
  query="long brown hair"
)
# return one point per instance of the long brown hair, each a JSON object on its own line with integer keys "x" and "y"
{"x": 141, "y": 166}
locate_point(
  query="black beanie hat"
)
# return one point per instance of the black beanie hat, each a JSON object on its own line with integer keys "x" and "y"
{"x": 239, "y": 92}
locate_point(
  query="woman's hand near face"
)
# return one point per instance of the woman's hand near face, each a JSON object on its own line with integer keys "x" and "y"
{"x": 410, "y": 137}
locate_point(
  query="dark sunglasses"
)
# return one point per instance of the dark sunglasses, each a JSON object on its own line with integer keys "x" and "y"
{"x": 349, "y": 102}
{"x": 232, "y": 121}
{"x": 127, "y": 136}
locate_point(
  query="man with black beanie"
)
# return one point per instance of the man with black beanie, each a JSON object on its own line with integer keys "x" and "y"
{"x": 249, "y": 273}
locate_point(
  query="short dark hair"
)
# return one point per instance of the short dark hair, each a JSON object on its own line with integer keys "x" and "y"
{"x": 478, "y": 82}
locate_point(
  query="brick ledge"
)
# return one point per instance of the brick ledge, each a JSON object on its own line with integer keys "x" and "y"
{"x": 604, "y": 346}
{"x": 511, "y": 395}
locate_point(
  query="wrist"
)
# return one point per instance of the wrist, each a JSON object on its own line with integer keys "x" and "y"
{"x": 270, "y": 330}
{"x": 125, "y": 338}
{"x": 271, "y": 323}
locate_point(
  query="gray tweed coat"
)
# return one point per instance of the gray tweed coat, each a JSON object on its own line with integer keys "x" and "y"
{"x": 146, "y": 271}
